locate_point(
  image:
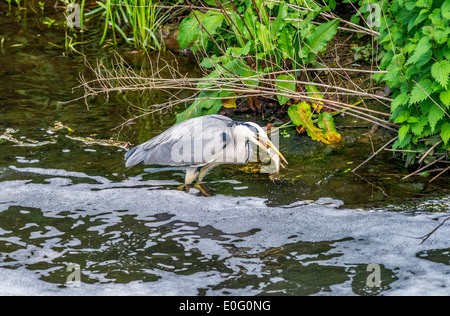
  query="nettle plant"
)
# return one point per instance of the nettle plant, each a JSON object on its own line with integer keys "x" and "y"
{"x": 254, "y": 48}
{"x": 415, "y": 36}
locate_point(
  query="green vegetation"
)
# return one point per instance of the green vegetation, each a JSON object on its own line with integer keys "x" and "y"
{"x": 415, "y": 36}
{"x": 267, "y": 45}
{"x": 107, "y": 22}
{"x": 259, "y": 45}
{"x": 17, "y": 2}
{"x": 135, "y": 20}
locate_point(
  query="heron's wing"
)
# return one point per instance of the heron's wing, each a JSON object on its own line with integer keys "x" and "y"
{"x": 192, "y": 142}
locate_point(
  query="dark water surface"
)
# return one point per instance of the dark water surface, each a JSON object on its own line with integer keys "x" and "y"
{"x": 66, "y": 199}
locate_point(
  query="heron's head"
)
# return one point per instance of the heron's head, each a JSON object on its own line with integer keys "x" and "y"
{"x": 258, "y": 136}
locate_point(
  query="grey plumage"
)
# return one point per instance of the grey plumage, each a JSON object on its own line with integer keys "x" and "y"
{"x": 198, "y": 144}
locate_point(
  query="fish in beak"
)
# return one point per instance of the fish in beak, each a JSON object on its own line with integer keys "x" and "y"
{"x": 272, "y": 150}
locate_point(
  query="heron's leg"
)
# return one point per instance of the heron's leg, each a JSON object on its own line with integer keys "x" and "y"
{"x": 203, "y": 172}
{"x": 204, "y": 190}
{"x": 191, "y": 174}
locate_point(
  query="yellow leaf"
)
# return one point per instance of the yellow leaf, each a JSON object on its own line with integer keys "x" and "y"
{"x": 229, "y": 103}
{"x": 326, "y": 122}
{"x": 300, "y": 114}
{"x": 317, "y": 105}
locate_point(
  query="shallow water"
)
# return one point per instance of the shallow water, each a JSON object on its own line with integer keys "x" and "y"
{"x": 66, "y": 199}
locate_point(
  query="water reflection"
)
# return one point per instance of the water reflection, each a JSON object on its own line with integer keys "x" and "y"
{"x": 120, "y": 248}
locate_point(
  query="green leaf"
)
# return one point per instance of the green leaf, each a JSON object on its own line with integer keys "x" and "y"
{"x": 332, "y": 4}
{"x": 402, "y": 116}
{"x": 423, "y": 3}
{"x": 386, "y": 60}
{"x": 422, "y": 16}
{"x": 211, "y": 3}
{"x": 235, "y": 66}
{"x": 209, "y": 62}
{"x": 434, "y": 116}
{"x": 188, "y": 32}
{"x": 250, "y": 21}
{"x": 421, "y": 61}
{"x": 247, "y": 72}
{"x": 445, "y": 10}
{"x": 202, "y": 85}
{"x": 355, "y": 19}
{"x": 190, "y": 112}
{"x": 239, "y": 51}
{"x": 445, "y": 132}
{"x": 318, "y": 40}
{"x": 392, "y": 77}
{"x": 214, "y": 109}
{"x": 417, "y": 128}
{"x": 440, "y": 35}
{"x": 445, "y": 98}
{"x": 260, "y": 5}
{"x": 410, "y": 5}
{"x": 287, "y": 85}
{"x": 278, "y": 25}
{"x": 211, "y": 22}
{"x": 435, "y": 17}
{"x": 304, "y": 25}
{"x": 441, "y": 71}
{"x": 401, "y": 99}
{"x": 402, "y": 144}
{"x": 238, "y": 28}
{"x": 285, "y": 44}
{"x": 402, "y": 132}
{"x": 206, "y": 103}
{"x": 190, "y": 29}
{"x": 422, "y": 47}
{"x": 263, "y": 35}
{"x": 315, "y": 93}
{"x": 412, "y": 119}
{"x": 418, "y": 94}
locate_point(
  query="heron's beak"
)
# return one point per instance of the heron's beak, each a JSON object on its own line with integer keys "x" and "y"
{"x": 266, "y": 144}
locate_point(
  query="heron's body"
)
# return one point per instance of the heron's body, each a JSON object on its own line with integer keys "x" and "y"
{"x": 198, "y": 144}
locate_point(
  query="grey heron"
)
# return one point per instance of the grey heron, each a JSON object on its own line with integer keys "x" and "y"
{"x": 199, "y": 144}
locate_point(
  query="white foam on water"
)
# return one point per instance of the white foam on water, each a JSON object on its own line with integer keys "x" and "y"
{"x": 358, "y": 237}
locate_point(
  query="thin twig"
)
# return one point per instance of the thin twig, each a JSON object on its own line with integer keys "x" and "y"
{"x": 428, "y": 151}
{"x": 122, "y": 78}
{"x": 403, "y": 150}
{"x": 431, "y": 98}
{"x": 445, "y": 170}
{"x": 423, "y": 168}
{"x": 377, "y": 186}
{"x": 376, "y": 153}
{"x": 433, "y": 231}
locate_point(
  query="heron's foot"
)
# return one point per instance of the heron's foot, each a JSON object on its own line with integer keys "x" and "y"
{"x": 277, "y": 180}
{"x": 204, "y": 190}
{"x": 275, "y": 177}
{"x": 182, "y": 187}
